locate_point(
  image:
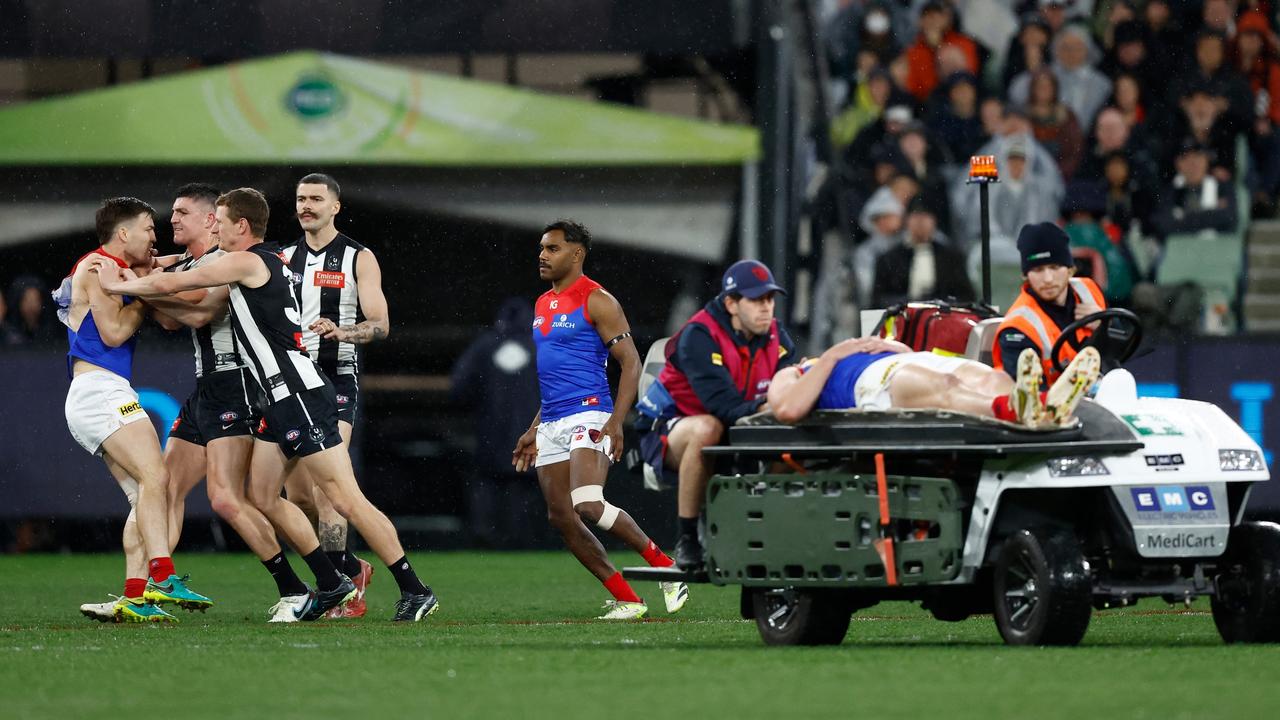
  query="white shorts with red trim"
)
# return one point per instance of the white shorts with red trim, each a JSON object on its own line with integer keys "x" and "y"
{"x": 871, "y": 389}
{"x": 558, "y": 438}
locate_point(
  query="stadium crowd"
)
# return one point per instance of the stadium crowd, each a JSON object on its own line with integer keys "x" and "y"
{"x": 1126, "y": 121}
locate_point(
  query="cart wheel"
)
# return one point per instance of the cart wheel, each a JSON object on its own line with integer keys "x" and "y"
{"x": 791, "y": 616}
{"x": 1246, "y": 607}
{"x": 1043, "y": 593}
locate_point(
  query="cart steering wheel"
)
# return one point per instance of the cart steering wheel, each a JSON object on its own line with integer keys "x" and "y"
{"x": 1116, "y": 338}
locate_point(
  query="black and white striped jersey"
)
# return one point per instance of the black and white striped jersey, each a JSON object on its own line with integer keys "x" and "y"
{"x": 325, "y": 285}
{"x": 215, "y": 343}
{"x": 267, "y": 326}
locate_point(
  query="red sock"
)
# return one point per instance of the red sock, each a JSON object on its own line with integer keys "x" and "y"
{"x": 620, "y": 590}
{"x": 134, "y": 587}
{"x": 1002, "y": 408}
{"x": 655, "y": 557}
{"x": 161, "y": 568}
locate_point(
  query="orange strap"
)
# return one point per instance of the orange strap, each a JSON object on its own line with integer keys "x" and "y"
{"x": 886, "y": 545}
{"x": 791, "y": 463}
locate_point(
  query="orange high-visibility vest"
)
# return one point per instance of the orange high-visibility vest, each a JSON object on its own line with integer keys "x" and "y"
{"x": 1026, "y": 317}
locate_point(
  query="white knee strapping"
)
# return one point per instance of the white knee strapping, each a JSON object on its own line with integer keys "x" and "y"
{"x": 595, "y": 493}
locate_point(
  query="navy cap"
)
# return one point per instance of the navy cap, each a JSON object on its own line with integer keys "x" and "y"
{"x": 749, "y": 278}
{"x": 1044, "y": 244}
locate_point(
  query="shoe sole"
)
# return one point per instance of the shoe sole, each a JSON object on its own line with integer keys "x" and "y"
{"x": 123, "y": 617}
{"x": 1027, "y": 389}
{"x": 185, "y": 604}
{"x": 1080, "y": 374}
{"x": 100, "y": 618}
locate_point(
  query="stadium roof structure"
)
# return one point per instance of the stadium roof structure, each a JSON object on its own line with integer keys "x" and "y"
{"x": 407, "y": 140}
{"x": 317, "y": 107}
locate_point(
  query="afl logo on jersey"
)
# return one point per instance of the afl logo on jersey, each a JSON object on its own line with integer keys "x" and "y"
{"x": 537, "y": 322}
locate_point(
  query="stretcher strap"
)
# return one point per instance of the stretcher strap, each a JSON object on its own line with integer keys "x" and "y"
{"x": 885, "y": 544}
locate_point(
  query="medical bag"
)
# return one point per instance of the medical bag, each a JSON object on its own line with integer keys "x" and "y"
{"x": 932, "y": 326}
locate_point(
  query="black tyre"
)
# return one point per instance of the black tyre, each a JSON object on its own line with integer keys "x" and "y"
{"x": 1042, "y": 589}
{"x": 791, "y": 616}
{"x": 1246, "y": 606}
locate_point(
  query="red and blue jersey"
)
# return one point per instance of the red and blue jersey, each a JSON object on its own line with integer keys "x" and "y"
{"x": 837, "y": 393}
{"x": 571, "y": 355}
{"x": 87, "y": 343}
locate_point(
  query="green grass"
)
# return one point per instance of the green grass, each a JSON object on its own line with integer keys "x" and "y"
{"x": 511, "y": 640}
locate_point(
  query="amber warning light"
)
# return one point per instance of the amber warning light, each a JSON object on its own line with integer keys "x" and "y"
{"x": 982, "y": 169}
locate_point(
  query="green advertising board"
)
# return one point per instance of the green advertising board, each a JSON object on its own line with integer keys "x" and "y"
{"x": 306, "y": 107}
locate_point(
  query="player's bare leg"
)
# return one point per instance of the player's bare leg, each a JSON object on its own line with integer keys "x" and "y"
{"x": 228, "y": 458}
{"x": 135, "y": 565}
{"x": 135, "y": 448}
{"x": 331, "y": 469}
{"x": 331, "y": 529}
{"x": 185, "y": 462}
{"x": 578, "y": 538}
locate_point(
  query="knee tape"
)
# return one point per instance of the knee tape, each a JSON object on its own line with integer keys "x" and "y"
{"x": 595, "y": 493}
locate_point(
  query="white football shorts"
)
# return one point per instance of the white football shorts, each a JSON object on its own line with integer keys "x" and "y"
{"x": 871, "y": 389}
{"x": 558, "y": 438}
{"x": 98, "y": 404}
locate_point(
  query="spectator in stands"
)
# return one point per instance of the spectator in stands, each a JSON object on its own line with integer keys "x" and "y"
{"x": 924, "y": 161}
{"x": 1203, "y": 119}
{"x": 1028, "y": 50}
{"x": 1211, "y": 71}
{"x": 1111, "y": 15}
{"x": 1195, "y": 200}
{"x": 924, "y": 266}
{"x": 1015, "y": 201}
{"x": 881, "y": 131}
{"x": 1096, "y": 254}
{"x": 1112, "y": 135}
{"x": 1163, "y": 28}
{"x": 1029, "y": 192}
{"x": 1218, "y": 16}
{"x": 1082, "y": 87}
{"x": 867, "y": 100}
{"x": 1131, "y": 54}
{"x": 1127, "y": 203}
{"x": 991, "y": 114}
{"x": 1128, "y": 97}
{"x": 1255, "y": 56}
{"x": 1057, "y": 13}
{"x": 496, "y": 377}
{"x": 881, "y": 219}
{"x": 1053, "y": 124}
{"x": 31, "y": 322}
{"x": 861, "y": 28}
{"x": 937, "y": 31}
{"x": 953, "y": 116}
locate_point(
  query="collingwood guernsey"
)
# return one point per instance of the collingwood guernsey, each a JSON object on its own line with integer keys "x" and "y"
{"x": 325, "y": 285}
{"x": 267, "y": 326}
{"x": 215, "y": 343}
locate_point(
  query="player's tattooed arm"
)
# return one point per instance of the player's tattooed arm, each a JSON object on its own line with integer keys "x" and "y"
{"x": 373, "y": 305}
{"x": 360, "y": 333}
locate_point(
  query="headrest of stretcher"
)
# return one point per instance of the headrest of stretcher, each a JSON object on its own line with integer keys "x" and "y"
{"x": 895, "y": 415}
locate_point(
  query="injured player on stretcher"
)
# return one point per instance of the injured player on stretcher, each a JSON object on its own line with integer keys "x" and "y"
{"x": 872, "y": 373}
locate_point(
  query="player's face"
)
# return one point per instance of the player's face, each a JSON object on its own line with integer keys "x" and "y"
{"x": 315, "y": 206}
{"x": 754, "y": 315}
{"x": 228, "y": 234}
{"x": 1050, "y": 281}
{"x": 557, "y": 257}
{"x": 139, "y": 237}
{"x": 191, "y": 220}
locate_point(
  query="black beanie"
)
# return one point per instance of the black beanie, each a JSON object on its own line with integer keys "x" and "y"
{"x": 1043, "y": 244}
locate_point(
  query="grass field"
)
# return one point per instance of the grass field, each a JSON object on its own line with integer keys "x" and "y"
{"x": 511, "y": 640}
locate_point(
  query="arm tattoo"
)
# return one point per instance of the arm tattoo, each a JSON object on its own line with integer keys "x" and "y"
{"x": 333, "y": 537}
{"x": 365, "y": 332}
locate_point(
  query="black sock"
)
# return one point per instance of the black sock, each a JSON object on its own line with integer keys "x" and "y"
{"x": 287, "y": 580}
{"x": 689, "y": 526}
{"x": 406, "y": 578}
{"x": 352, "y": 565}
{"x": 339, "y": 559}
{"x": 326, "y": 575}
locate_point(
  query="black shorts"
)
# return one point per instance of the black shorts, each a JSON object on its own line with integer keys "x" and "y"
{"x": 653, "y": 446}
{"x": 222, "y": 405}
{"x": 302, "y": 424}
{"x": 347, "y": 394}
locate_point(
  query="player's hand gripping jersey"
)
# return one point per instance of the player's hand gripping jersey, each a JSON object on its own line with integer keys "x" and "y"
{"x": 571, "y": 356}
